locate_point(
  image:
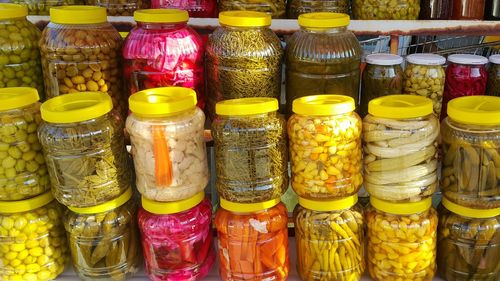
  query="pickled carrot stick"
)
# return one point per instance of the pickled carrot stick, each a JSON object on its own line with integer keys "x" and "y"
{"x": 245, "y": 245}
{"x": 163, "y": 165}
{"x": 257, "y": 266}
{"x": 252, "y": 244}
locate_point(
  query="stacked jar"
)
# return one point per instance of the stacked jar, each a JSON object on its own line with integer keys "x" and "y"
{"x": 42, "y": 7}
{"x": 195, "y": 8}
{"x": 275, "y": 8}
{"x": 297, "y": 7}
{"x": 493, "y": 86}
{"x": 171, "y": 169}
{"x": 386, "y": 9}
{"x": 120, "y": 7}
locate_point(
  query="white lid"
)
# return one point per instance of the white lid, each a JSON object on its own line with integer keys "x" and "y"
{"x": 426, "y": 59}
{"x": 467, "y": 59}
{"x": 384, "y": 59}
{"x": 495, "y": 59}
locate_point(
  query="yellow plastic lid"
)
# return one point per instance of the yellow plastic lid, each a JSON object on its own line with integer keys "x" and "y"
{"x": 476, "y": 110}
{"x": 104, "y": 207}
{"x": 10, "y": 207}
{"x": 162, "y": 101}
{"x": 329, "y": 205}
{"x": 323, "y": 20}
{"x": 244, "y": 19}
{"x": 161, "y": 15}
{"x": 166, "y": 208}
{"x": 78, "y": 14}
{"x": 246, "y": 106}
{"x": 10, "y": 11}
{"x": 323, "y": 105}
{"x": 407, "y": 208}
{"x": 16, "y": 97}
{"x": 76, "y": 107}
{"x": 400, "y": 106}
{"x": 469, "y": 212}
{"x": 248, "y": 207}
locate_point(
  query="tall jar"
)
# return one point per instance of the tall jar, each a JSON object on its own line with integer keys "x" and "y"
{"x": 84, "y": 147}
{"x": 275, "y": 8}
{"x": 19, "y": 54}
{"x": 298, "y": 7}
{"x": 401, "y": 240}
{"x": 470, "y": 138}
{"x": 103, "y": 239}
{"x": 468, "y": 243}
{"x": 177, "y": 238}
{"x": 386, "y": 9}
{"x": 243, "y": 59}
{"x": 435, "y": 9}
{"x": 162, "y": 50}
{"x": 493, "y": 85}
{"x": 168, "y": 148}
{"x": 322, "y": 58}
{"x": 195, "y": 8}
{"x": 325, "y": 147}
{"x": 466, "y": 75}
{"x": 42, "y": 7}
{"x": 492, "y": 10}
{"x": 382, "y": 76}
{"x": 467, "y": 9}
{"x": 32, "y": 239}
{"x": 23, "y": 173}
{"x": 425, "y": 76}
{"x": 330, "y": 239}
{"x": 120, "y": 7}
{"x": 400, "y": 136}
{"x": 81, "y": 52}
{"x": 252, "y": 240}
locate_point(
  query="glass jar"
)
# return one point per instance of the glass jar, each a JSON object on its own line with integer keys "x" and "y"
{"x": 84, "y": 148}
{"x": 470, "y": 138}
{"x": 120, "y": 7}
{"x": 162, "y": 50}
{"x": 252, "y": 240}
{"x": 275, "y": 8}
{"x": 325, "y": 147}
{"x": 298, "y": 7}
{"x": 493, "y": 85}
{"x": 435, "y": 9}
{"x": 330, "y": 239}
{"x": 195, "y": 8}
{"x": 400, "y": 136}
{"x": 23, "y": 173}
{"x": 33, "y": 243}
{"x": 177, "y": 238}
{"x": 386, "y": 9}
{"x": 382, "y": 76}
{"x": 424, "y": 76}
{"x": 168, "y": 147}
{"x": 401, "y": 240}
{"x": 42, "y": 7}
{"x": 492, "y": 10}
{"x": 468, "y": 243}
{"x": 243, "y": 59}
{"x": 467, "y": 9}
{"x": 466, "y": 75}
{"x": 250, "y": 150}
{"x": 322, "y": 58}
{"x": 81, "y": 52}
{"x": 19, "y": 53}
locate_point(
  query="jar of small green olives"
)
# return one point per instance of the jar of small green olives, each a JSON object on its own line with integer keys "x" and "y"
{"x": 42, "y": 7}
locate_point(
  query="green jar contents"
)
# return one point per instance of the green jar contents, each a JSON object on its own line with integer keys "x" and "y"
{"x": 33, "y": 245}
{"x": 275, "y": 8}
{"x": 322, "y": 58}
{"x": 19, "y": 55}
{"x": 243, "y": 59}
{"x": 42, "y": 7}
{"x": 468, "y": 243}
{"x": 250, "y": 150}
{"x": 104, "y": 240}
{"x": 493, "y": 86}
{"x": 120, "y": 7}
{"x": 382, "y": 76}
{"x": 298, "y": 7}
{"x": 23, "y": 173}
{"x": 386, "y": 9}
{"x": 84, "y": 147}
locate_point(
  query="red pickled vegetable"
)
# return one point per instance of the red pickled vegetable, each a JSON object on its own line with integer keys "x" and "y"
{"x": 195, "y": 8}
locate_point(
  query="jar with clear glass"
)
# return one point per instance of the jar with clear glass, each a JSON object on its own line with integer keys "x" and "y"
{"x": 492, "y": 10}
{"x": 467, "y": 9}
{"x": 470, "y": 138}
{"x": 195, "y": 8}
{"x": 386, "y": 9}
{"x": 435, "y": 9}
{"x": 493, "y": 85}
{"x": 299, "y": 7}
{"x": 313, "y": 66}
{"x": 275, "y": 8}
{"x": 42, "y": 7}
{"x": 120, "y": 7}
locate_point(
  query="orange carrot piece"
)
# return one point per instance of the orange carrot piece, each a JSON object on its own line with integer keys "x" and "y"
{"x": 314, "y": 156}
{"x": 245, "y": 243}
{"x": 257, "y": 266}
{"x": 252, "y": 244}
{"x": 267, "y": 259}
{"x": 163, "y": 164}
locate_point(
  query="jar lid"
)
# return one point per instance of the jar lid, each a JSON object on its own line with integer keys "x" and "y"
{"x": 166, "y": 208}
{"x": 329, "y": 205}
{"x": 470, "y": 212}
{"x": 246, "y": 106}
{"x": 475, "y": 110}
{"x": 426, "y": 59}
{"x": 104, "y": 207}
{"x": 323, "y": 105}
{"x": 10, "y": 11}
{"x": 16, "y": 97}
{"x": 384, "y": 59}
{"x": 407, "y": 208}
{"x": 161, "y": 15}
{"x": 78, "y": 14}
{"x": 162, "y": 101}
{"x": 400, "y": 106}
{"x": 76, "y": 107}
{"x": 323, "y": 20}
{"x": 10, "y": 207}
{"x": 248, "y": 207}
{"x": 495, "y": 59}
{"x": 467, "y": 59}
{"x": 244, "y": 18}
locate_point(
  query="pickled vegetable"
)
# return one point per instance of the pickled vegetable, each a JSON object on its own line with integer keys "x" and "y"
{"x": 276, "y": 8}
{"x": 386, "y": 9}
{"x": 467, "y": 9}
{"x": 42, "y": 7}
{"x": 493, "y": 86}
{"x": 298, "y": 7}
{"x": 120, "y": 7}
{"x": 195, "y": 8}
